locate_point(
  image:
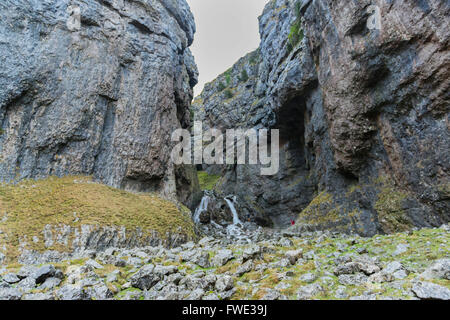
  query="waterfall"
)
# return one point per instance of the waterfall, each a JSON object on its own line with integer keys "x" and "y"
{"x": 201, "y": 208}
{"x": 233, "y": 210}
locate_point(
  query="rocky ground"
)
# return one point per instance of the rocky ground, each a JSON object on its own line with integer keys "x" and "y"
{"x": 250, "y": 263}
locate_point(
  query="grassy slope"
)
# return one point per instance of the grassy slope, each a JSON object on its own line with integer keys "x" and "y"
{"x": 32, "y": 204}
{"x": 207, "y": 181}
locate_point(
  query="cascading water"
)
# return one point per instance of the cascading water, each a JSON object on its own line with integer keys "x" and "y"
{"x": 233, "y": 210}
{"x": 201, "y": 208}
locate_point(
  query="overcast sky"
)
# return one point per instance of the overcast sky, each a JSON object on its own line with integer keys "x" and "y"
{"x": 226, "y": 31}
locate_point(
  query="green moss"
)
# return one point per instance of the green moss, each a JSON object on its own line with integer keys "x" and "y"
{"x": 229, "y": 94}
{"x": 244, "y": 76}
{"x": 32, "y": 204}
{"x": 320, "y": 210}
{"x": 444, "y": 189}
{"x": 296, "y": 32}
{"x": 221, "y": 87}
{"x": 389, "y": 206}
{"x": 207, "y": 181}
{"x": 228, "y": 76}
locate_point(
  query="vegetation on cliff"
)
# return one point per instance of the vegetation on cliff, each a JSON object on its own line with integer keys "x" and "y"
{"x": 296, "y": 32}
{"x": 207, "y": 181}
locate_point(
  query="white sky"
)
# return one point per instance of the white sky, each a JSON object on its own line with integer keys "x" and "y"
{"x": 226, "y": 31}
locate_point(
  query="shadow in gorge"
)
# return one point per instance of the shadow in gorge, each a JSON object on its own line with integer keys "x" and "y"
{"x": 286, "y": 194}
{"x": 291, "y": 123}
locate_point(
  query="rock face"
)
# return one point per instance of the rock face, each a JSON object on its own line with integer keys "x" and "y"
{"x": 99, "y": 98}
{"x": 363, "y": 115}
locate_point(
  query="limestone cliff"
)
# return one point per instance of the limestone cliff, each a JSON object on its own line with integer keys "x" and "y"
{"x": 99, "y": 98}
{"x": 363, "y": 115}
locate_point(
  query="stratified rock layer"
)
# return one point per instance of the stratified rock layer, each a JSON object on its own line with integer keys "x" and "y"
{"x": 363, "y": 116}
{"x": 101, "y": 99}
